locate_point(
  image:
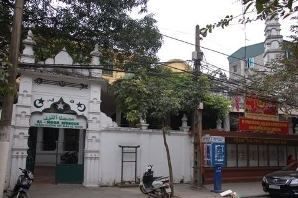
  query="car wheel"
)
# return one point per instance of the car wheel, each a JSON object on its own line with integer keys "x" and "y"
{"x": 274, "y": 195}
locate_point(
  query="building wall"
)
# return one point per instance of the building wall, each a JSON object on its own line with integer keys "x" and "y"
{"x": 259, "y": 61}
{"x": 114, "y": 76}
{"x": 151, "y": 151}
{"x": 177, "y": 65}
{"x": 236, "y": 69}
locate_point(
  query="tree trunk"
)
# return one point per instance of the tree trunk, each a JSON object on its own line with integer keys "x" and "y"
{"x": 169, "y": 161}
{"x": 4, "y": 147}
{"x": 8, "y": 98}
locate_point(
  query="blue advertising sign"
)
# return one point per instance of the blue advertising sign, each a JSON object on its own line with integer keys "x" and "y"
{"x": 214, "y": 155}
{"x": 214, "y": 150}
{"x": 218, "y": 154}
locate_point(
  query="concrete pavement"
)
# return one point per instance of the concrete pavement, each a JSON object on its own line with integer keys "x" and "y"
{"x": 250, "y": 189}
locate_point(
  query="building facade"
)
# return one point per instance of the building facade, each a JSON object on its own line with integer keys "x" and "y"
{"x": 250, "y": 154}
{"x": 60, "y": 131}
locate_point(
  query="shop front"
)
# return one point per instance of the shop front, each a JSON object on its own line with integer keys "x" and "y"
{"x": 250, "y": 156}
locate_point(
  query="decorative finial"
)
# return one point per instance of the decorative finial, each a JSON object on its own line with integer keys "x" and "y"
{"x": 29, "y": 35}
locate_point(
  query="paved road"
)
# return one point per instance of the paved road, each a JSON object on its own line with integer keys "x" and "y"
{"x": 245, "y": 190}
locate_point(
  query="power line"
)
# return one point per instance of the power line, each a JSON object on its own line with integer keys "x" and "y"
{"x": 212, "y": 50}
{"x": 139, "y": 64}
{"x": 234, "y": 84}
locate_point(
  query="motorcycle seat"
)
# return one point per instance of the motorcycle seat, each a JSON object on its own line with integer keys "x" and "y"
{"x": 160, "y": 177}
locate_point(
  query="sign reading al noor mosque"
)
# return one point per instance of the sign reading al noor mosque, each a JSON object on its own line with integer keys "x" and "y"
{"x": 55, "y": 120}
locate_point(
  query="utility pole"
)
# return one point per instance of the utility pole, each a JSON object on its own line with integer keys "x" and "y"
{"x": 197, "y": 119}
{"x": 8, "y": 98}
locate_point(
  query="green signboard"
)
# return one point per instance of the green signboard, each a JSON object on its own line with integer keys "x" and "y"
{"x": 55, "y": 120}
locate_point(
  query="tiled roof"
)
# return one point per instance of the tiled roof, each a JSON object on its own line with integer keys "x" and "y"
{"x": 250, "y": 51}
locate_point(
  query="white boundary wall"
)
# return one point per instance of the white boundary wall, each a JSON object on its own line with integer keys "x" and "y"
{"x": 151, "y": 151}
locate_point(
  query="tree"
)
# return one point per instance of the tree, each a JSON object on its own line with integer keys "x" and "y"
{"x": 157, "y": 93}
{"x": 5, "y": 19}
{"x": 4, "y": 85}
{"x": 277, "y": 82}
{"x": 78, "y": 25}
{"x": 263, "y": 9}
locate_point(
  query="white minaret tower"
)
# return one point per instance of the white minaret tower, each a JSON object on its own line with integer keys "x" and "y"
{"x": 273, "y": 40}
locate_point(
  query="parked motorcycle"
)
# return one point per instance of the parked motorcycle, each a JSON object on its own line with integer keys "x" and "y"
{"x": 159, "y": 186}
{"x": 21, "y": 189}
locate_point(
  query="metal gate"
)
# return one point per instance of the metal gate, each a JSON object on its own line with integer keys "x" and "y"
{"x": 69, "y": 158}
{"x": 30, "y": 160}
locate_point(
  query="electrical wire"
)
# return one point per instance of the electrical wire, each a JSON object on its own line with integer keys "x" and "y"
{"x": 102, "y": 66}
{"x": 213, "y": 50}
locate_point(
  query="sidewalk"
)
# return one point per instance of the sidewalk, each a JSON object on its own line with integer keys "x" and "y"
{"x": 250, "y": 189}
{"x": 244, "y": 189}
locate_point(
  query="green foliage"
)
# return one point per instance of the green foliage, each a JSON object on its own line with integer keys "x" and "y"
{"x": 5, "y": 24}
{"x": 4, "y": 85}
{"x": 263, "y": 8}
{"x": 79, "y": 24}
{"x": 216, "y": 104}
{"x": 146, "y": 95}
{"x": 222, "y": 23}
{"x": 159, "y": 92}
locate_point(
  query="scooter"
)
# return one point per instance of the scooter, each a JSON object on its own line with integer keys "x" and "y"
{"x": 21, "y": 189}
{"x": 159, "y": 186}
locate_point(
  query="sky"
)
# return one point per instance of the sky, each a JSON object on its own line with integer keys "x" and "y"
{"x": 178, "y": 19}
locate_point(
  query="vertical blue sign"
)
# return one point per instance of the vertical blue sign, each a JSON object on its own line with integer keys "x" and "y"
{"x": 214, "y": 150}
{"x": 218, "y": 154}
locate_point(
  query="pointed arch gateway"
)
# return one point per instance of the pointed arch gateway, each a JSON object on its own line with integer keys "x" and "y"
{"x": 57, "y": 131}
{"x": 57, "y": 97}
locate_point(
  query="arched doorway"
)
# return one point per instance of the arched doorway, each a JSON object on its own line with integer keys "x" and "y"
{"x": 56, "y": 145}
{"x": 55, "y": 155}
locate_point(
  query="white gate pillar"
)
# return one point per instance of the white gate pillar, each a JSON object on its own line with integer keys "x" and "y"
{"x": 19, "y": 154}
{"x": 91, "y": 157}
{"x": 21, "y": 115}
{"x": 91, "y": 153}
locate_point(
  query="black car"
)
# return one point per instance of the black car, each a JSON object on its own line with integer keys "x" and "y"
{"x": 283, "y": 182}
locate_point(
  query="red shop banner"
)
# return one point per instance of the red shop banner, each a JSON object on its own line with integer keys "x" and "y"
{"x": 256, "y": 108}
{"x": 268, "y": 126}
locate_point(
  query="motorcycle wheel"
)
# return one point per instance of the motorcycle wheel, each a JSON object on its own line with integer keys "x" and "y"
{"x": 164, "y": 193}
{"x": 20, "y": 195}
{"x": 143, "y": 190}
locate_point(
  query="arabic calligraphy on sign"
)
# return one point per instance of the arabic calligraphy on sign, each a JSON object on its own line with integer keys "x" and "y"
{"x": 58, "y": 121}
{"x": 56, "y": 117}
